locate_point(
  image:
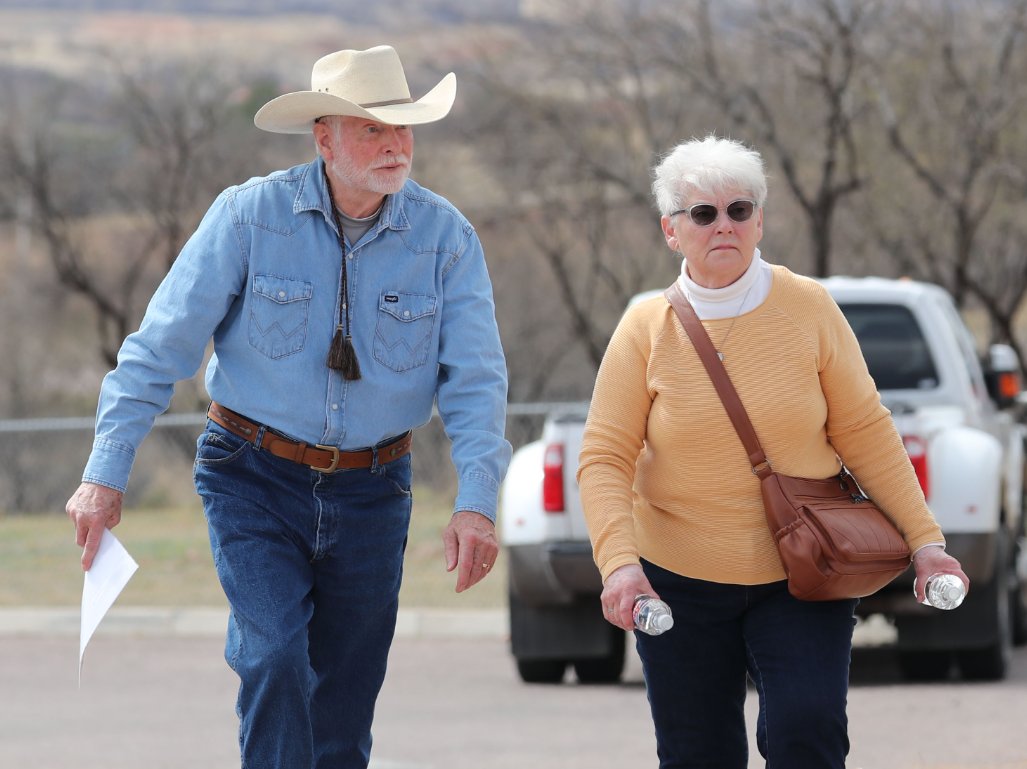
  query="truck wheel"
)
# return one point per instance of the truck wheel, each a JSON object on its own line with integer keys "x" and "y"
{"x": 604, "y": 670}
{"x": 1018, "y": 592}
{"x": 541, "y": 671}
{"x": 991, "y": 663}
{"x": 924, "y": 664}
{"x": 1018, "y": 609}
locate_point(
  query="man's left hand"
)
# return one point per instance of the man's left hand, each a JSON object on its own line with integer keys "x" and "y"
{"x": 471, "y": 547}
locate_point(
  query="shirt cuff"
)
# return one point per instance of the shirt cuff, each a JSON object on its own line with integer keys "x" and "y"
{"x": 109, "y": 464}
{"x": 929, "y": 544}
{"x": 478, "y": 493}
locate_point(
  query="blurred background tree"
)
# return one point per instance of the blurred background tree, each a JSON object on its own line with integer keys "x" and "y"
{"x": 893, "y": 131}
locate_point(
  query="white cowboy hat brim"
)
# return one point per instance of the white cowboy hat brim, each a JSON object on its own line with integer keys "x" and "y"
{"x": 294, "y": 113}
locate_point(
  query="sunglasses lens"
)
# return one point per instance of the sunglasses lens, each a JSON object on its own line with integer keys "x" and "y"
{"x": 703, "y": 214}
{"x": 740, "y": 210}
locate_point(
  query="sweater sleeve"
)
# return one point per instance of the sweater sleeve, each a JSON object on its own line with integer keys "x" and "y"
{"x": 614, "y": 437}
{"x": 861, "y": 430}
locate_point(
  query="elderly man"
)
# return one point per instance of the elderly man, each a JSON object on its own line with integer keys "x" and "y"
{"x": 344, "y": 300}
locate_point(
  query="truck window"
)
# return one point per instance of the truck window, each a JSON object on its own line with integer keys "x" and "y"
{"x": 895, "y": 350}
{"x": 967, "y": 347}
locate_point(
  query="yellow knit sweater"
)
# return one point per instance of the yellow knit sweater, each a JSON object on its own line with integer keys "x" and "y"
{"x": 663, "y": 475}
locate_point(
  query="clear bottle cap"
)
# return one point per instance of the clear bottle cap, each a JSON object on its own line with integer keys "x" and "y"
{"x": 944, "y": 591}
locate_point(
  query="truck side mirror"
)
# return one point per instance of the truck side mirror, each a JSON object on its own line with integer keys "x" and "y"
{"x": 1002, "y": 375}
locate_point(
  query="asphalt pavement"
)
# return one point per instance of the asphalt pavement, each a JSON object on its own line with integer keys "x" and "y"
{"x": 156, "y": 694}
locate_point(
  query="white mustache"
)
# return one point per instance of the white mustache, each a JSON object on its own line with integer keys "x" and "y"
{"x": 394, "y": 160}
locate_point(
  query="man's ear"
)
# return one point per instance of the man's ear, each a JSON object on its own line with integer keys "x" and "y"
{"x": 323, "y": 139}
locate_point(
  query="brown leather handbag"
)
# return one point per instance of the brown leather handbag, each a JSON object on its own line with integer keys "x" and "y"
{"x": 834, "y": 542}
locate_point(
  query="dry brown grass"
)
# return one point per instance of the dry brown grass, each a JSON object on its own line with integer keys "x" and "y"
{"x": 39, "y": 561}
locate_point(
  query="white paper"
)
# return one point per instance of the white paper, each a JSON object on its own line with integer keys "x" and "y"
{"x": 112, "y": 568}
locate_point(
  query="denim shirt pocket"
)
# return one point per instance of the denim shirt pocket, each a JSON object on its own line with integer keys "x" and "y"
{"x": 279, "y": 309}
{"x": 403, "y": 336}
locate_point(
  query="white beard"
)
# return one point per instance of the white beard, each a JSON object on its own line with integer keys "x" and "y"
{"x": 378, "y": 180}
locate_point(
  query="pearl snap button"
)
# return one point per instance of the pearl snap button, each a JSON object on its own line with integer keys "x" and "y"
{"x": 281, "y": 295}
{"x": 406, "y": 313}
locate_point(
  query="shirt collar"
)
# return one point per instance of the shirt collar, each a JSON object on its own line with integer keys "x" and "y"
{"x": 313, "y": 196}
{"x": 729, "y": 293}
{"x": 744, "y": 295}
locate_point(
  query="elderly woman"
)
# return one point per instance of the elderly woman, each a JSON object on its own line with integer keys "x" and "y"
{"x": 674, "y": 509}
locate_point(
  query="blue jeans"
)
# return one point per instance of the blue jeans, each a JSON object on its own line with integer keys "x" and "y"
{"x": 311, "y": 565}
{"x": 797, "y": 654}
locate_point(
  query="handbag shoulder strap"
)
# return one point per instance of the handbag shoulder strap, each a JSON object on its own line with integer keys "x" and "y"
{"x": 721, "y": 381}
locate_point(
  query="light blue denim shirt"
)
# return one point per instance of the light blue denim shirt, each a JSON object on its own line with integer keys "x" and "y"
{"x": 261, "y": 276}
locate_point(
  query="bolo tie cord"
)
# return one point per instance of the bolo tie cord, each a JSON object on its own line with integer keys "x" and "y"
{"x": 341, "y": 355}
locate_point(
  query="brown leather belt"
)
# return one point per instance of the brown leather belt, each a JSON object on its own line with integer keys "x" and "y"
{"x": 324, "y": 459}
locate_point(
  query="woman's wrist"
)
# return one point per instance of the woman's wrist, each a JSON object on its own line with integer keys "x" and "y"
{"x": 921, "y": 549}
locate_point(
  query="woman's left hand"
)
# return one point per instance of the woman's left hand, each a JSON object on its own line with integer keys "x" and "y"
{"x": 932, "y": 560}
{"x": 620, "y": 590}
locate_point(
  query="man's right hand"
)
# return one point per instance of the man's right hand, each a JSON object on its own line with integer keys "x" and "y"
{"x": 93, "y": 508}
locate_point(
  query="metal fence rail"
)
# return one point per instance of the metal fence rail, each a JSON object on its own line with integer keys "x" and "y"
{"x": 41, "y": 459}
{"x": 65, "y": 424}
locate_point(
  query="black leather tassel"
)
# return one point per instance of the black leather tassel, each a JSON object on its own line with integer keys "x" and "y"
{"x": 342, "y": 357}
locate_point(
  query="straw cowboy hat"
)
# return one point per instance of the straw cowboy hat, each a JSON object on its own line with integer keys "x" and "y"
{"x": 368, "y": 84}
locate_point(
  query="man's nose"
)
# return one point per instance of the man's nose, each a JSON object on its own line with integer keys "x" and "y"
{"x": 391, "y": 141}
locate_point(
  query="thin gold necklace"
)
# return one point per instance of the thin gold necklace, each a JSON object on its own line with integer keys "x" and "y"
{"x": 723, "y": 342}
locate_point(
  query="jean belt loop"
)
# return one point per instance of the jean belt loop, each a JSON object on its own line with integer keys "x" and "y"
{"x": 259, "y": 439}
{"x": 376, "y": 468}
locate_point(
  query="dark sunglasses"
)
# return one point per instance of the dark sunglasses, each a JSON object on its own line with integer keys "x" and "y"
{"x": 705, "y": 214}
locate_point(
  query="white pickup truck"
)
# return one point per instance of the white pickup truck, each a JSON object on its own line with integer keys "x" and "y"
{"x": 958, "y": 422}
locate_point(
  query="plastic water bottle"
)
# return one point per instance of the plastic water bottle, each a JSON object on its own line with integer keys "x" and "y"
{"x": 944, "y": 591}
{"x": 651, "y": 615}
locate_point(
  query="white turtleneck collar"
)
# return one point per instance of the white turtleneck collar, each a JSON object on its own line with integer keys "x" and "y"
{"x": 745, "y": 294}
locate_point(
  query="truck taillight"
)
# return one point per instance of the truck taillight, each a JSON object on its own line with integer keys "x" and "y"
{"x": 552, "y": 479}
{"x": 916, "y": 447}
{"x": 1009, "y": 384}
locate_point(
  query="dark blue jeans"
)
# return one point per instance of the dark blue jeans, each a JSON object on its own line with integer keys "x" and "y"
{"x": 797, "y": 654}
{"x": 311, "y": 565}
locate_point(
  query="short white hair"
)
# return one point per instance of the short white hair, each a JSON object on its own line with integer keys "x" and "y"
{"x": 707, "y": 166}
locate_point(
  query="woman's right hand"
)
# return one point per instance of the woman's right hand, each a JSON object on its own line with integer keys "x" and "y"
{"x": 620, "y": 590}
